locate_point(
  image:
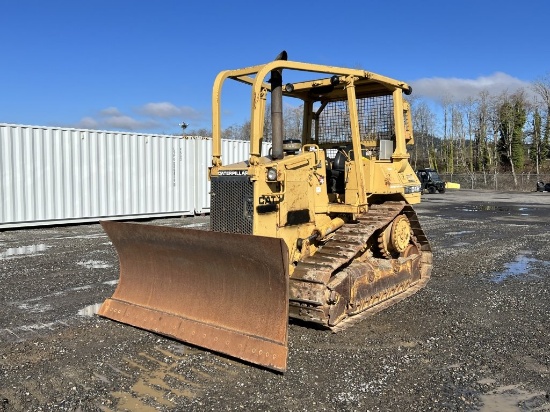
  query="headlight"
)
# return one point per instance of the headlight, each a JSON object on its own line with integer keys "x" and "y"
{"x": 412, "y": 189}
{"x": 272, "y": 174}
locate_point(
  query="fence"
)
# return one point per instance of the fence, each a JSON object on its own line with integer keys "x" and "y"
{"x": 526, "y": 182}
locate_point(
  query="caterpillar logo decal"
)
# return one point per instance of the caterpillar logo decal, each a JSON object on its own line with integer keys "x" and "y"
{"x": 269, "y": 200}
{"x": 232, "y": 173}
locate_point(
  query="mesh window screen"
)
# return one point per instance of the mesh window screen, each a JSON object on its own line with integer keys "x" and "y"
{"x": 375, "y": 120}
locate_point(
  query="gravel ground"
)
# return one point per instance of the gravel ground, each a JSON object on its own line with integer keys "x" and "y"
{"x": 476, "y": 338}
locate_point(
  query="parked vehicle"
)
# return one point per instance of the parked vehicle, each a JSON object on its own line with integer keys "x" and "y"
{"x": 430, "y": 181}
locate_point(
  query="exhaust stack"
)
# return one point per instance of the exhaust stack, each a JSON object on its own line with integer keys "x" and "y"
{"x": 277, "y": 110}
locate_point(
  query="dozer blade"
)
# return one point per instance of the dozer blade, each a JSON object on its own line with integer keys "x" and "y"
{"x": 223, "y": 292}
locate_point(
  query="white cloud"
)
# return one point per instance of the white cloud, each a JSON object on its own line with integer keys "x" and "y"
{"x": 162, "y": 117}
{"x": 88, "y": 123}
{"x": 129, "y": 123}
{"x": 168, "y": 110}
{"x": 110, "y": 111}
{"x": 112, "y": 118}
{"x": 455, "y": 89}
{"x": 163, "y": 109}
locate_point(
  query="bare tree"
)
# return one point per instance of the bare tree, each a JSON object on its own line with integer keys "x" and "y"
{"x": 293, "y": 122}
{"x": 203, "y": 132}
{"x": 448, "y": 136}
{"x": 237, "y": 132}
{"x": 458, "y": 132}
{"x": 470, "y": 109}
{"x": 424, "y": 149}
{"x": 542, "y": 88}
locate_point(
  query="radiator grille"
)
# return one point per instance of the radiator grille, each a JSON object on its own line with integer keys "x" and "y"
{"x": 231, "y": 204}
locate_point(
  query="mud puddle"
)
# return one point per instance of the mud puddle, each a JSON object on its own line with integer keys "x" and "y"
{"x": 16, "y": 252}
{"x": 523, "y": 211}
{"x": 513, "y": 399}
{"x": 95, "y": 264}
{"x": 90, "y": 310}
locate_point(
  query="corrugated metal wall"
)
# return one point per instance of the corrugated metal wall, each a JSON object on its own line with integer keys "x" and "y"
{"x": 54, "y": 175}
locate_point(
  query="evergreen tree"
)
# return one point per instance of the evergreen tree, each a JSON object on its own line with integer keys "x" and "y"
{"x": 536, "y": 141}
{"x": 482, "y": 151}
{"x": 512, "y": 115}
{"x": 545, "y": 147}
{"x": 518, "y": 138}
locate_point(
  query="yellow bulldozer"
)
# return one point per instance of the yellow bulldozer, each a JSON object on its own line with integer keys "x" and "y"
{"x": 320, "y": 230}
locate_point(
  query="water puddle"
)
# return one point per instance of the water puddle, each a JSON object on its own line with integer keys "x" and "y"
{"x": 462, "y": 232}
{"x": 79, "y": 288}
{"x": 40, "y": 326}
{"x": 36, "y": 308}
{"x": 485, "y": 208}
{"x": 92, "y": 236}
{"x": 95, "y": 264}
{"x": 511, "y": 399}
{"x": 22, "y": 250}
{"x": 459, "y": 234}
{"x": 195, "y": 225}
{"x": 460, "y": 244}
{"x": 524, "y": 211}
{"x": 90, "y": 310}
{"x": 521, "y": 266}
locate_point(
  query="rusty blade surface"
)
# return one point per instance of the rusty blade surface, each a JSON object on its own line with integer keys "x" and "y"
{"x": 224, "y": 292}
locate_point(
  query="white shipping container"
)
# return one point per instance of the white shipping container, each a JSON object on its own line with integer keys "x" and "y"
{"x": 51, "y": 175}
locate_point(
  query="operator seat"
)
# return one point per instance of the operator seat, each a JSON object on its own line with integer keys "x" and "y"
{"x": 336, "y": 175}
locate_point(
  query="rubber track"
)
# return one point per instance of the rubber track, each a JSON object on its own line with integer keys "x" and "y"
{"x": 347, "y": 242}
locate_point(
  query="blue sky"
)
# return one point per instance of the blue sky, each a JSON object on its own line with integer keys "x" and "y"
{"x": 146, "y": 66}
